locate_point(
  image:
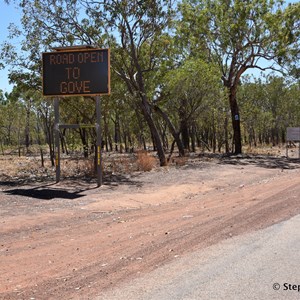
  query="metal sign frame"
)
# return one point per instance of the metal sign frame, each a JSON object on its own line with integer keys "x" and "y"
{"x": 98, "y": 152}
{"x": 69, "y": 72}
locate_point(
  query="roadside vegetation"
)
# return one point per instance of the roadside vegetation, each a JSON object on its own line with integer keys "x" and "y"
{"x": 179, "y": 77}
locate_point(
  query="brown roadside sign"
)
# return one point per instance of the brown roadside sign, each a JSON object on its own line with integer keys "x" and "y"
{"x": 76, "y": 73}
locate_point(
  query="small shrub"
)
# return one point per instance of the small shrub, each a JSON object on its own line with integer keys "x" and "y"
{"x": 121, "y": 165}
{"x": 145, "y": 162}
{"x": 180, "y": 161}
{"x": 78, "y": 167}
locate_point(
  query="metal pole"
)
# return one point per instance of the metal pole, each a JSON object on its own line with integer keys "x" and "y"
{"x": 99, "y": 142}
{"x": 56, "y": 132}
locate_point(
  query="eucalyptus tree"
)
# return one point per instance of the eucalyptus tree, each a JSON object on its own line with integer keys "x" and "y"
{"x": 239, "y": 35}
{"x": 269, "y": 105}
{"x": 132, "y": 28}
{"x": 192, "y": 89}
{"x": 283, "y": 100}
{"x": 12, "y": 119}
{"x": 276, "y": 95}
{"x": 257, "y": 120}
{"x": 21, "y": 53}
{"x": 292, "y": 106}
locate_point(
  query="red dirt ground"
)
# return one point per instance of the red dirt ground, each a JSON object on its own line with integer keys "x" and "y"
{"x": 73, "y": 241}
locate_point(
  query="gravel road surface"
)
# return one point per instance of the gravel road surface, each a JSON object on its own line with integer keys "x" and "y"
{"x": 180, "y": 232}
{"x": 260, "y": 265}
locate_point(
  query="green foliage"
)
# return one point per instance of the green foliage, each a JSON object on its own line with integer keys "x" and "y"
{"x": 191, "y": 89}
{"x": 268, "y": 108}
{"x": 184, "y": 62}
{"x": 238, "y": 36}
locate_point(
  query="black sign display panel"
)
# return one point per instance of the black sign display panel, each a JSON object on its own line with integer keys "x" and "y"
{"x": 76, "y": 73}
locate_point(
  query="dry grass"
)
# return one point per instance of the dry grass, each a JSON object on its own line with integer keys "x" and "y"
{"x": 122, "y": 165}
{"x": 266, "y": 150}
{"x": 15, "y": 168}
{"x": 180, "y": 161}
{"x": 77, "y": 167}
{"x": 145, "y": 162}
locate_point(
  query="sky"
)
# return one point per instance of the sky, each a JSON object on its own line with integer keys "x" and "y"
{"x": 9, "y": 14}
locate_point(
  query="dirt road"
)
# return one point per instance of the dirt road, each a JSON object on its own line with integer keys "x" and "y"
{"x": 259, "y": 265}
{"x": 73, "y": 241}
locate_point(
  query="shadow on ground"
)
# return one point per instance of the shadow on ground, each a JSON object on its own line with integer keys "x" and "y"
{"x": 262, "y": 161}
{"x": 68, "y": 188}
{"x": 119, "y": 179}
{"x": 79, "y": 186}
{"x": 45, "y": 193}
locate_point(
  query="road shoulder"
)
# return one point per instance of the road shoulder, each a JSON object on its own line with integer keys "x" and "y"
{"x": 251, "y": 266}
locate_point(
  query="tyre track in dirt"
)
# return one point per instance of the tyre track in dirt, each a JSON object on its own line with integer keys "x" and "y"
{"x": 86, "y": 250}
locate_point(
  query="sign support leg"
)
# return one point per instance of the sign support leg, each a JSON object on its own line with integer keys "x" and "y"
{"x": 56, "y": 133}
{"x": 99, "y": 142}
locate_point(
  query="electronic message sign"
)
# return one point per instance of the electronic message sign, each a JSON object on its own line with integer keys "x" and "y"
{"x": 76, "y": 73}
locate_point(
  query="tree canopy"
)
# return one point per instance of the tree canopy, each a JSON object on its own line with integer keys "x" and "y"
{"x": 173, "y": 65}
{"x": 238, "y": 36}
